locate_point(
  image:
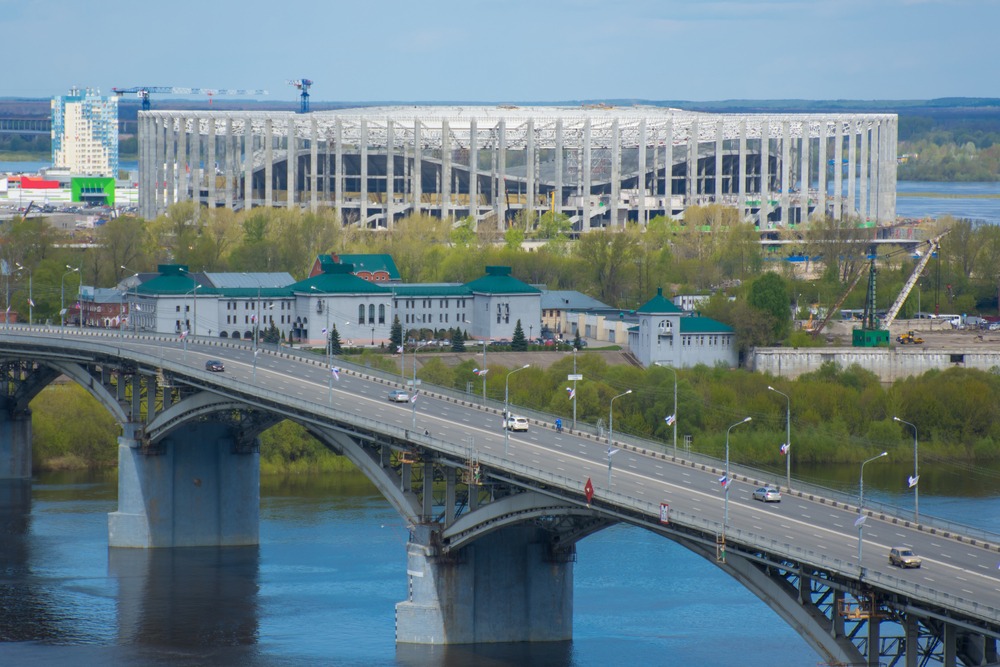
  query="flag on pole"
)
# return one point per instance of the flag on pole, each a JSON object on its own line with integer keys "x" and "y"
{"x": 253, "y": 319}
{"x": 861, "y": 521}
{"x": 912, "y": 481}
{"x": 480, "y": 371}
{"x": 724, "y": 481}
{"x": 184, "y": 334}
{"x": 336, "y": 373}
{"x": 413, "y": 397}
{"x": 572, "y": 393}
{"x": 399, "y": 349}
{"x": 612, "y": 452}
{"x": 588, "y": 490}
{"x": 785, "y": 447}
{"x": 670, "y": 420}
{"x": 324, "y": 331}
{"x": 31, "y": 303}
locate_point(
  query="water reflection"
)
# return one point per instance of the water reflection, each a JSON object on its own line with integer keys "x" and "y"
{"x": 523, "y": 654}
{"x": 187, "y": 597}
{"x": 22, "y": 605}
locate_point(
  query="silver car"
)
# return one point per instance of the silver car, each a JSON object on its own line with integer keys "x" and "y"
{"x": 767, "y": 494}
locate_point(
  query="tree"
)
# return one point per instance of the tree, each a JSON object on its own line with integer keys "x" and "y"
{"x": 577, "y": 342}
{"x": 518, "y": 343}
{"x": 333, "y": 342}
{"x": 396, "y": 334}
{"x": 272, "y": 335}
{"x": 457, "y": 341}
{"x": 769, "y": 294}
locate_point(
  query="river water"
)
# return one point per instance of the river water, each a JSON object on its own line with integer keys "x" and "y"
{"x": 322, "y": 585}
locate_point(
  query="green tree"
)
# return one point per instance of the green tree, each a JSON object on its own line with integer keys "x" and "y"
{"x": 577, "y": 342}
{"x": 333, "y": 341}
{"x": 518, "y": 342}
{"x": 396, "y": 334}
{"x": 769, "y": 294}
{"x": 457, "y": 340}
{"x": 271, "y": 335}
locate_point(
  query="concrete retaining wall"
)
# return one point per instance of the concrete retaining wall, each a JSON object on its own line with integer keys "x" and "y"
{"x": 890, "y": 364}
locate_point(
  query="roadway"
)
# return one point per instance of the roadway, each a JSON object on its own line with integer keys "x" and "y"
{"x": 957, "y": 568}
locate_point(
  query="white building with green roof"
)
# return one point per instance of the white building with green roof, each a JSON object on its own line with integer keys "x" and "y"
{"x": 669, "y": 336}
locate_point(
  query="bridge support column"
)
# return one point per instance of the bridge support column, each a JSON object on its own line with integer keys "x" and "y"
{"x": 15, "y": 445}
{"x": 195, "y": 488}
{"x": 505, "y": 587}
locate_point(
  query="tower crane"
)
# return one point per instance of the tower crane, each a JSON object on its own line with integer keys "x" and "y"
{"x": 142, "y": 92}
{"x": 303, "y": 85}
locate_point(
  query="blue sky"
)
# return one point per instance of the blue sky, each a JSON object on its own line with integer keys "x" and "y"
{"x": 509, "y": 50}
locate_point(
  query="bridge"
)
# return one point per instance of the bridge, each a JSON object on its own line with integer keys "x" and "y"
{"x": 494, "y": 519}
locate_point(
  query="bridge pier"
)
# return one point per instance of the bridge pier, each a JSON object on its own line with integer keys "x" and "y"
{"x": 15, "y": 444}
{"x": 195, "y": 488}
{"x": 507, "y": 586}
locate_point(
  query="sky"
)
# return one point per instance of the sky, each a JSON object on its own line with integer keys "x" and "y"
{"x": 497, "y": 51}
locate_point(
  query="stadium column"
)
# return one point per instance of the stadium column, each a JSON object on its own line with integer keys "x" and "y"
{"x": 418, "y": 158}
{"x": 313, "y": 165}
{"x": 268, "y": 162}
{"x": 867, "y": 135}
{"x": 691, "y": 185}
{"x": 852, "y": 166}
{"x": 147, "y": 178}
{"x": 473, "y": 170}
{"x": 530, "y": 173}
{"x": 891, "y": 147}
{"x": 338, "y": 168}
{"x": 765, "y": 171}
{"x": 363, "y": 150}
{"x": 170, "y": 159}
{"x": 196, "y": 172}
{"x": 786, "y": 163}
{"x": 877, "y": 169}
{"x": 642, "y": 174}
{"x": 182, "y": 161}
{"x": 158, "y": 163}
{"x": 821, "y": 172}
{"x": 210, "y": 163}
{"x": 390, "y": 172}
{"x": 248, "y": 141}
{"x": 717, "y": 185}
{"x": 838, "y": 168}
{"x": 668, "y": 169}
{"x": 616, "y": 174}
{"x": 805, "y": 146}
{"x": 741, "y": 185}
{"x": 585, "y": 193}
{"x": 229, "y": 157}
{"x": 445, "y": 190}
{"x": 291, "y": 163}
{"x": 502, "y": 173}
{"x": 558, "y": 176}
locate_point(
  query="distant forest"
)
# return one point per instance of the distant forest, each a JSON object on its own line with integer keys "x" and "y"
{"x": 947, "y": 139}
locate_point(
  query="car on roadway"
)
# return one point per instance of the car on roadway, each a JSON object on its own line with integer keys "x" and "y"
{"x": 517, "y": 423}
{"x": 767, "y": 494}
{"x": 399, "y": 396}
{"x": 903, "y": 557}
{"x": 214, "y": 365}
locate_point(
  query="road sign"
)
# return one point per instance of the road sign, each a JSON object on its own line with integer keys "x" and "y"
{"x": 664, "y": 513}
{"x": 574, "y": 376}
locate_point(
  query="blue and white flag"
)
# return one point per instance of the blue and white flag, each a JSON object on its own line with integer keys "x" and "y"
{"x": 336, "y": 373}
{"x": 324, "y": 331}
{"x": 399, "y": 349}
{"x": 480, "y": 371}
{"x": 785, "y": 447}
{"x": 670, "y": 420}
{"x": 912, "y": 481}
{"x": 861, "y": 521}
{"x": 572, "y": 393}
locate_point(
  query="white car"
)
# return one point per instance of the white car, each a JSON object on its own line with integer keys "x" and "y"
{"x": 515, "y": 423}
{"x": 767, "y": 494}
{"x": 399, "y": 396}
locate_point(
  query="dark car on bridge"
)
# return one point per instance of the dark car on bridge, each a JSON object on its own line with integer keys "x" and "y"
{"x": 214, "y": 365}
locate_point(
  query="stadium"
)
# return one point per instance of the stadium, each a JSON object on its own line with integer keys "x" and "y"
{"x": 600, "y": 166}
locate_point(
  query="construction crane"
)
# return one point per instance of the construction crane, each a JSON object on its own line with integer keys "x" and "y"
{"x": 143, "y": 92}
{"x": 303, "y": 85}
{"x": 933, "y": 245}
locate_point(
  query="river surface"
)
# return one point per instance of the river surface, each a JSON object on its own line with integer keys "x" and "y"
{"x": 322, "y": 586}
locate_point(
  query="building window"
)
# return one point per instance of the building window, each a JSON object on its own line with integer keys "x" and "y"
{"x": 381, "y": 313}
{"x": 371, "y": 313}
{"x": 361, "y": 314}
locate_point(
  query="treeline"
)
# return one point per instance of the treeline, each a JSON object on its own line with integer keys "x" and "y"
{"x": 837, "y": 415}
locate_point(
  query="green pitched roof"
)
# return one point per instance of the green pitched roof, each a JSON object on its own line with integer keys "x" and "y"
{"x": 338, "y": 279}
{"x": 696, "y": 324}
{"x": 173, "y": 279}
{"x": 659, "y": 305}
{"x": 431, "y": 290}
{"x": 499, "y": 281}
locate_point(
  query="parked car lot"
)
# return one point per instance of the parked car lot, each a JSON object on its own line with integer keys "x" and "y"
{"x": 767, "y": 494}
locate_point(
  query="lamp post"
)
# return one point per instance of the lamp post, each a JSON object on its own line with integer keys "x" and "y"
{"x": 62, "y": 297}
{"x": 861, "y": 509}
{"x": 674, "y": 371}
{"x": 576, "y": 376}
{"x": 506, "y": 405}
{"x": 483, "y": 374}
{"x": 916, "y": 475}
{"x": 31, "y": 301}
{"x": 788, "y": 437}
{"x": 725, "y": 502}
{"x": 611, "y": 416}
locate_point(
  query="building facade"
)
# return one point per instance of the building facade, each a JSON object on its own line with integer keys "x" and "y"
{"x": 669, "y": 336}
{"x": 85, "y": 133}
{"x": 600, "y": 167}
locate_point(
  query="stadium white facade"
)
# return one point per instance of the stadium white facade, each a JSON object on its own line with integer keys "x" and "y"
{"x": 600, "y": 166}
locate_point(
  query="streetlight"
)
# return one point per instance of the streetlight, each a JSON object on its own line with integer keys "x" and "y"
{"x": 674, "y": 418}
{"x": 62, "y": 297}
{"x": 483, "y": 373}
{"x": 725, "y": 502}
{"x": 788, "y": 437}
{"x": 611, "y": 416}
{"x": 860, "y": 523}
{"x": 916, "y": 476}
{"x": 506, "y": 416}
{"x": 31, "y": 302}
{"x": 575, "y": 376}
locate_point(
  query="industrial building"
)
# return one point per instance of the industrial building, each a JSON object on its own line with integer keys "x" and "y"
{"x": 85, "y": 133}
{"x": 600, "y": 166}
